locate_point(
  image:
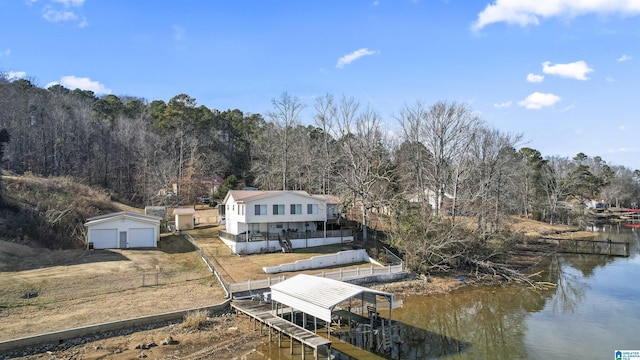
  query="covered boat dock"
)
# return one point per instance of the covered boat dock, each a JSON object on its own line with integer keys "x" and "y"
{"x": 305, "y": 305}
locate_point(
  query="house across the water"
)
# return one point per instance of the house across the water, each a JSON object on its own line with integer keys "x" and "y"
{"x": 267, "y": 221}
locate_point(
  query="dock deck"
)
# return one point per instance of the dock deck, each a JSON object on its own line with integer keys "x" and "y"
{"x": 263, "y": 314}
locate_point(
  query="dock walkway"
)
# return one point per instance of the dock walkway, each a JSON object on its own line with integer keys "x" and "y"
{"x": 263, "y": 314}
{"x": 595, "y": 247}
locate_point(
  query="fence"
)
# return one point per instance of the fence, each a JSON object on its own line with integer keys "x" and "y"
{"x": 341, "y": 275}
{"x": 392, "y": 257}
{"x": 210, "y": 263}
{"x": 22, "y": 293}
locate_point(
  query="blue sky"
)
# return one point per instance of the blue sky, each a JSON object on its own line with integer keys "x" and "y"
{"x": 564, "y": 73}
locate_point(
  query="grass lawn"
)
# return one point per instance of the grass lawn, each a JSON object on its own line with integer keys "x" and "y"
{"x": 235, "y": 268}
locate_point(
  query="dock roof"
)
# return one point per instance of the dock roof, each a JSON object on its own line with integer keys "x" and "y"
{"x": 318, "y": 296}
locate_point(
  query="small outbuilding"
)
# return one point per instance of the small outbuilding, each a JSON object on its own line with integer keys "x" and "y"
{"x": 184, "y": 218}
{"x": 123, "y": 230}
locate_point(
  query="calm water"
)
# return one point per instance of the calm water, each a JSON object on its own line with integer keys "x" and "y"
{"x": 594, "y": 310}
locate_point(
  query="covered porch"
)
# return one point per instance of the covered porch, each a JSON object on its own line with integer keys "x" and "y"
{"x": 273, "y": 237}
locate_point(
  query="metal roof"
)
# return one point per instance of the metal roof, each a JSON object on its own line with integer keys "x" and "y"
{"x": 248, "y": 195}
{"x": 318, "y": 296}
{"x": 184, "y": 211}
{"x": 122, "y": 214}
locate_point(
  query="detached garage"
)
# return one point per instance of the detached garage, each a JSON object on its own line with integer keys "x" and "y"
{"x": 123, "y": 230}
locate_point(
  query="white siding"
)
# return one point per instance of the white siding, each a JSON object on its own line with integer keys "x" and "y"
{"x": 141, "y": 231}
{"x": 236, "y": 221}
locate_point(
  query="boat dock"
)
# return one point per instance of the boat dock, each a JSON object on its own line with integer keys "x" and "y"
{"x": 262, "y": 313}
{"x": 595, "y": 247}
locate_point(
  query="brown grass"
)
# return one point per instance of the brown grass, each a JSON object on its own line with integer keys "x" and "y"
{"x": 77, "y": 288}
{"x": 235, "y": 268}
{"x": 195, "y": 320}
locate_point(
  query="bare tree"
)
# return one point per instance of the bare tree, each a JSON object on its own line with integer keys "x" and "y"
{"x": 490, "y": 158}
{"x": 446, "y": 131}
{"x": 286, "y": 114}
{"x": 364, "y": 172}
{"x": 324, "y": 117}
{"x": 557, "y": 182}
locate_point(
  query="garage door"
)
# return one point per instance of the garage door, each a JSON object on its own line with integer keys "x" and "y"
{"x": 104, "y": 238}
{"x": 142, "y": 237}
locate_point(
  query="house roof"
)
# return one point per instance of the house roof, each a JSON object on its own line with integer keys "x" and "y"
{"x": 184, "y": 211}
{"x": 122, "y": 214}
{"x": 318, "y": 296}
{"x": 330, "y": 199}
{"x": 249, "y": 195}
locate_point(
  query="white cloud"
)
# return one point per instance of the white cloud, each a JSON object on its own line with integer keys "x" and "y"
{"x": 69, "y": 3}
{"x": 529, "y": 12}
{"x": 535, "y": 78}
{"x": 502, "y": 105}
{"x": 576, "y": 70}
{"x": 54, "y": 16}
{"x": 376, "y": 3}
{"x": 6, "y": 52}
{"x": 624, "y": 57}
{"x": 349, "y": 58}
{"x": 610, "y": 79}
{"x": 15, "y": 75}
{"x": 621, "y": 127}
{"x": 538, "y": 100}
{"x": 84, "y": 83}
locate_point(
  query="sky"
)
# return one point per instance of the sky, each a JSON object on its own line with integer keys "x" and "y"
{"x": 564, "y": 74}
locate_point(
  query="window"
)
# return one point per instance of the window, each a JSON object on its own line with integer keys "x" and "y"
{"x": 296, "y": 209}
{"x": 241, "y": 209}
{"x": 278, "y": 209}
{"x": 312, "y": 209}
{"x": 260, "y": 209}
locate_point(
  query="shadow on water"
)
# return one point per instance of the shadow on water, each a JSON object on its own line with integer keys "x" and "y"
{"x": 417, "y": 343}
{"x": 413, "y": 343}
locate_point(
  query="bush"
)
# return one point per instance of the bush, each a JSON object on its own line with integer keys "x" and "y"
{"x": 195, "y": 320}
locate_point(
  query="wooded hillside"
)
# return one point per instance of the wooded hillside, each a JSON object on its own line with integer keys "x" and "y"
{"x": 445, "y": 162}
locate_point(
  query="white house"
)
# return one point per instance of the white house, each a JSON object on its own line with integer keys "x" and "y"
{"x": 123, "y": 230}
{"x": 263, "y": 221}
{"x": 431, "y": 197}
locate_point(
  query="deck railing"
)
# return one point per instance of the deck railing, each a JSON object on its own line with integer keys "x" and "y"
{"x": 341, "y": 275}
{"x": 293, "y": 235}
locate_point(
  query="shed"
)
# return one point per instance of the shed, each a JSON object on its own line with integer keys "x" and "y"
{"x": 123, "y": 230}
{"x": 184, "y": 218}
{"x": 318, "y": 296}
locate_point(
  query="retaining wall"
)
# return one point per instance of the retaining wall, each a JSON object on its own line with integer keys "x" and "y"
{"x": 59, "y": 337}
{"x": 322, "y": 261}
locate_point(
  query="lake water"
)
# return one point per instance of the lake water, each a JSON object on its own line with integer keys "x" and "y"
{"x": 594, "y": 310}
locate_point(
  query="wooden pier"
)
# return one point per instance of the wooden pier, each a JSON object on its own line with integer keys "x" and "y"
{"x": 262, "y": 313}
{"x": 594, "y": 247}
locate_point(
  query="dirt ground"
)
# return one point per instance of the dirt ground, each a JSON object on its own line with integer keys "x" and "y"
{"x": 221, "y": 337}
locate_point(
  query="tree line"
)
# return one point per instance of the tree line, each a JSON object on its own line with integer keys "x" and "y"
{"x": 445, "y": 162}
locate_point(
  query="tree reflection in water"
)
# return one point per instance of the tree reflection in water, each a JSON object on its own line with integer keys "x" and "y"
{"x": 570, "y": 289}
{"x": 476, "y": 322}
